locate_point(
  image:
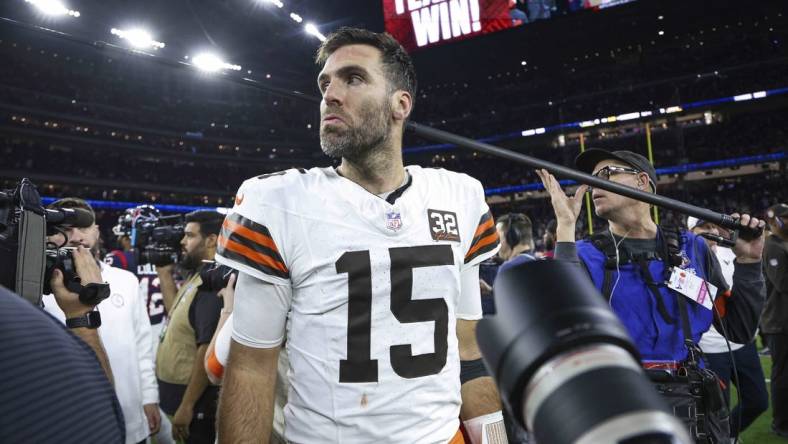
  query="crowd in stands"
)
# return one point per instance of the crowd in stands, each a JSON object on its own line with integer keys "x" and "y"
{"x": 208, "y": 112}
{"x": 730, "y": 136}
{"x": 136, "y": 130}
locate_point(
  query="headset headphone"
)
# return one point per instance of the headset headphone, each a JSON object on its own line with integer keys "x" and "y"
{"x": 513, "y": 235}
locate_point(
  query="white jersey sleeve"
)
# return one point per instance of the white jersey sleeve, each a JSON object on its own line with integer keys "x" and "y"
{"x": 483, "y": 240}
{"x": 469, "y": 307}
{"x": 260, "y": 312}
{"x": 259, "y": 236}
{"x": 221, "y": 348}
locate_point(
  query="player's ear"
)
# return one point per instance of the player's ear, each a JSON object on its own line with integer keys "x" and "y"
{"x": 401, "y": 104}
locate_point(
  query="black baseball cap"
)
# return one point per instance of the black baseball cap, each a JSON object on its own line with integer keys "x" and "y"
{"x": 588, "y": 159}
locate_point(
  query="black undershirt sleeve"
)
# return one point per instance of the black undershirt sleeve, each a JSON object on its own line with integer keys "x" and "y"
{"x": 737, "y": 314}
{"x": 204, "y": 316}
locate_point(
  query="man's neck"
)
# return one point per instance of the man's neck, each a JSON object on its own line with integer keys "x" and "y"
{"x": 380, "y": 172}
{"x": 633, "y": 225}
{"x": 518, "y": 250}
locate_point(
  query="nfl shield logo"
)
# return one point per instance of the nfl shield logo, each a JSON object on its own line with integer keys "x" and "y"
{"x": 393, "y": 221}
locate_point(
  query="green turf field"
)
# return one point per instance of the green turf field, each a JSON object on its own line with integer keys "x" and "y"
{"x": 760, "y": 431}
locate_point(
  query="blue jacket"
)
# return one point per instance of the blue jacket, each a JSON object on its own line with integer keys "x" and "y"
{"x": 635, "y": 305}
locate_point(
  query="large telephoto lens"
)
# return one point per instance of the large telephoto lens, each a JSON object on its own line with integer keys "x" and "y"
{"x": 564, "y": 363}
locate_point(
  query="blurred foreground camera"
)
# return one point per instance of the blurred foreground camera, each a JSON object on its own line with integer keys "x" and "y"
{"x": 564, "y": 363}
{"x": 156, "y": 239}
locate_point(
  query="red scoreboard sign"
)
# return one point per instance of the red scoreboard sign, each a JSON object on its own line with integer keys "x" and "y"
{"x": 421, "y": 23}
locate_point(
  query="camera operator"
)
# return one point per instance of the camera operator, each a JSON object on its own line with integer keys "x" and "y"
{"x": 645, "y": 271}
{"x": 739, "y": 358}
{"x": 70, "y": 305}
{"x": 124, "y": 327}
{"x": 186, "y": 393}
{"x": 775, "y": 315}
{"x": 125, "y": 259}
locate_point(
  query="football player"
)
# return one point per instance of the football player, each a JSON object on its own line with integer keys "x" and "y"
{"x": 372, "y": 270}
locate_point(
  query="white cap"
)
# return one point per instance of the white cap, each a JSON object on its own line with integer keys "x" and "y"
{"x": 693, "y": 222}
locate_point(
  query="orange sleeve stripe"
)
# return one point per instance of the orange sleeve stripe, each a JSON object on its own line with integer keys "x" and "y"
{"x": 249, "y": 234}
{"x": 252, "y": 255}
{"x": 721, "y": 303}
{"x": 457, "y": 438}
{"x": 484, "y": 227}
{"x": 483, "y": 242}
{"x": 214, "y": 366}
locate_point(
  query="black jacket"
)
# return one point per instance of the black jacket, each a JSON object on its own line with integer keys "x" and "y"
{"x": 775, "y": 268}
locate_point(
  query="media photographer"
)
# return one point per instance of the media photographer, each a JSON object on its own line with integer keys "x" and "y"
{"x": 194, "y": 310}
{"x": 73, "y": 308}
{"x": 119, "y": 318}
{"x": 647, "y": 272}
{"x": 146, "y": 240}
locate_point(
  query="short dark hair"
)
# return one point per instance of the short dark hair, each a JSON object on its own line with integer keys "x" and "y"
{"x": 72, "y": 202}
{"x": 522, "y": 224}
{"x": 210, "y": 221}
{"x": 397, "y": 64}
{"x": 551, "y": 227}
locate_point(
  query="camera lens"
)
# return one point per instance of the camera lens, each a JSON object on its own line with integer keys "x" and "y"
{"x": 564, "y": 362}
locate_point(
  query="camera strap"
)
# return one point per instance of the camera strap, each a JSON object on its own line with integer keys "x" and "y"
{"x": 653, "y": 287}
{"x": 669, "y": 245}
{"x": 671, "y": 249}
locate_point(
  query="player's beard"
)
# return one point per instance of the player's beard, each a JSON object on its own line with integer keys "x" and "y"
{"x": 355, "y": 142}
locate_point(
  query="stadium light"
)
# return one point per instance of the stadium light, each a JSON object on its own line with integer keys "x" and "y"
{"x": 211, "y": 63}
{"x": 296, "y": 18}
{"x": 53, "y": 7}
{"x": 533, "y": 132}
{"x": 311, "y": 29}
{"x": 278, "y": 3}
{"x": 742, "y": 97}
{"x": 138, "y": 38}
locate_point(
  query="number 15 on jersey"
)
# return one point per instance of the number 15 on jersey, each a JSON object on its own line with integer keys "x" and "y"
{"x": 359, "y": 366}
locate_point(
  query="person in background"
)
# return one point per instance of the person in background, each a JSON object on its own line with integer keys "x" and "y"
{"x": 517, "y": 240}
{"x": 549, "y": 239}
{"x": 644, "y": 270}
{"x": 125, "y": 332}
{"x": 774, "y": 321}
{"x": 749, "y": 380}
{"x": 186, "y": 393}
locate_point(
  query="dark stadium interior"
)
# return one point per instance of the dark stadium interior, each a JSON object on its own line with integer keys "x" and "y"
{"x": 154, "y": 112}
{"x": 88, "y": 120}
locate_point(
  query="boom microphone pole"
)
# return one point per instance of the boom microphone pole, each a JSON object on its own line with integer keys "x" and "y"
{"x": 720, "y": 219}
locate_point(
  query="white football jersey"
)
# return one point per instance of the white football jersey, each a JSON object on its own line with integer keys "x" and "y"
{"x": 375, "y": 296}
